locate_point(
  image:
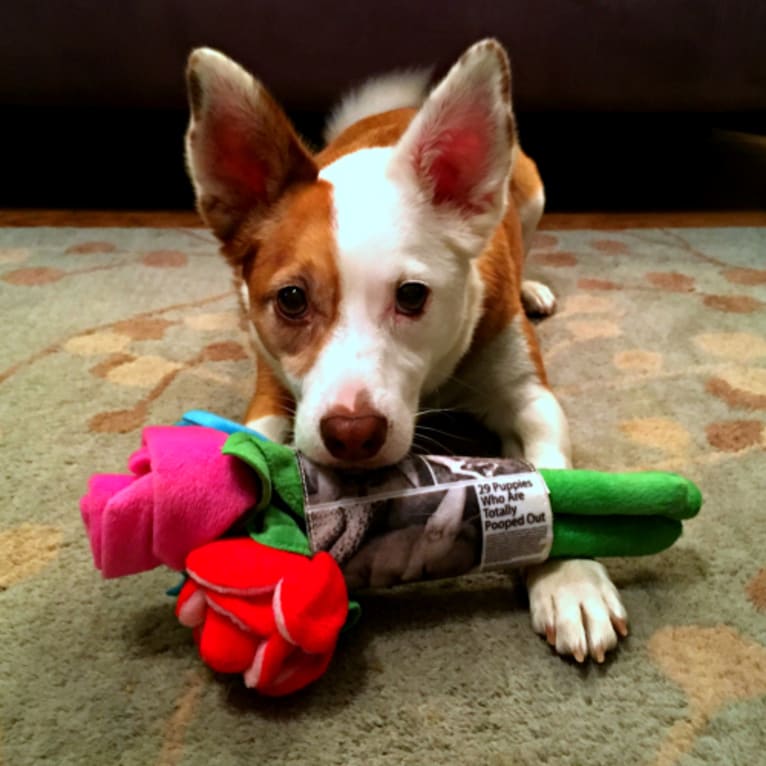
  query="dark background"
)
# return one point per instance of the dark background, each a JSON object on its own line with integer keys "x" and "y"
{"x": 99, "y": 158}
{"x": 625, "y": 104}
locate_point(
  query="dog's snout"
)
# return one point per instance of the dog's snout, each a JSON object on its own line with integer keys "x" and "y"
{"x": 352, "y": 435}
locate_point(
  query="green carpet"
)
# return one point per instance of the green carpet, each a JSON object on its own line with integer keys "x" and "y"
{"x": 658, "y": 352}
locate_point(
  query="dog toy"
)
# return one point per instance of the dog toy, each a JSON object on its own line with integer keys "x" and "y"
{"x": 271, "y": 543}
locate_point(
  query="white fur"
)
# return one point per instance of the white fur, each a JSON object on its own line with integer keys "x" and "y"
{"x": 530, "y": 214}
{"x": 274, "y": 427}
{"x": 538, "y": 298}
{"x": 575, "y": 605}
{"x": 379, "y": 94}
{"x": 372, "y": 350}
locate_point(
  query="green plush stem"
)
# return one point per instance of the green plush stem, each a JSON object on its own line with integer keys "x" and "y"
{"x": 603, "y": 536}
{"x": 594, "y": 514}
{"x": 649, "y": 493}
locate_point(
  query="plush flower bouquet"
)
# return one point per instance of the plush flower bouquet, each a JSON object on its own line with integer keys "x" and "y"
{"x": 265, "y": 590}
{"x": 258, "y": 602}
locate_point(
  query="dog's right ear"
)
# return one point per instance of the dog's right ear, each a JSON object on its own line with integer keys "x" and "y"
{"x": 242, "y": 151}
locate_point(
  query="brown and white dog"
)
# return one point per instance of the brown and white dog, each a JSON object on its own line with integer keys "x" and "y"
{"x": 384, "y": 274}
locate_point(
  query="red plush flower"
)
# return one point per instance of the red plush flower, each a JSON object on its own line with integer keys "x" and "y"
{"x": 272, "y": 615}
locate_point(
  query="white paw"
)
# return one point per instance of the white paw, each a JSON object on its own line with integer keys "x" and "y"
{"x": 538, "y": 299}
{"x": 274, "y": 427}
{"x": 574, "y": 604}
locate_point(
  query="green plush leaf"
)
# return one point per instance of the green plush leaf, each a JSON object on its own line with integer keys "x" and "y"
{"x": 277, "y": 529}
{"x": 276, "y": 466}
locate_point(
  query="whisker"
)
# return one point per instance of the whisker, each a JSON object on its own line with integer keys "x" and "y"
{"x": 427, "y": 443}
{"x": 424, "y": 431}
{"x": 467, "y": 386}
{"x": 435, "y": 411}
{"x": 287, "y": 404}
{"x": 449, "y": 434}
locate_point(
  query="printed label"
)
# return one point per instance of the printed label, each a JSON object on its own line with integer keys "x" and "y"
{"x": 516, "y": 520}
{"x": 428, "y": 517}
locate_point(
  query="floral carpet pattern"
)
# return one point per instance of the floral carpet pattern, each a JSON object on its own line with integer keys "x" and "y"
{"x": 658, "y": 353}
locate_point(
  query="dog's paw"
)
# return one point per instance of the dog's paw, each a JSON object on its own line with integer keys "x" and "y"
{"x": 277, "y": 428}
{"x": 575, "y": 605}
{"x": 538, "y": 299}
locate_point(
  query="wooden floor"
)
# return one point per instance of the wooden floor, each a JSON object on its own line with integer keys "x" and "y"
{"x": 651, "y": 220}
{"x": 551, "y": 221}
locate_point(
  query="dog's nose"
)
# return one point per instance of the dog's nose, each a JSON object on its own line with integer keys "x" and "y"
{"x": 353, "y": 435}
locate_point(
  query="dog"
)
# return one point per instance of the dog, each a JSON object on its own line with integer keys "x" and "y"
{"x": 384, "y": 274}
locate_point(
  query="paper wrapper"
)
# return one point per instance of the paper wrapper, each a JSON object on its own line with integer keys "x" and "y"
{"x": 428, "y": 517}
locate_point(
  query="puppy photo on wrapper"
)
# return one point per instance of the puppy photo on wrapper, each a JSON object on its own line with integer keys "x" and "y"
{"x": 428, "y": 517}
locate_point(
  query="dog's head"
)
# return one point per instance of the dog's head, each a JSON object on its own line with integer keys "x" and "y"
{"x": 362, "y": 282}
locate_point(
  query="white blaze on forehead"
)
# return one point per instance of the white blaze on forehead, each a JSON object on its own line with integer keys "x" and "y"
{"x": 370, "y": 224}
{"x": 360, "y": 188}
{"x": 386, "y": 233}
{"x": 362, "y": 355}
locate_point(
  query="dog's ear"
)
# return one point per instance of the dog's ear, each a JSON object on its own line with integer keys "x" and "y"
{"x": 458, "y": 149}
{"x": 242, "y": 151}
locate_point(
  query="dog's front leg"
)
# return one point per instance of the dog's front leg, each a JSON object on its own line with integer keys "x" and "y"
{"x": 271, "y": 409}
{"x": 573, "y": 603}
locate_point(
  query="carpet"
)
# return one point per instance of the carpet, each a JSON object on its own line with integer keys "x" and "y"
{"x": 658, "y": 352}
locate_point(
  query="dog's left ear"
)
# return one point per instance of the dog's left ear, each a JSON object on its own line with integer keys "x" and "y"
{"x": 242, "y": 151}
{"x": 458, "y": 150}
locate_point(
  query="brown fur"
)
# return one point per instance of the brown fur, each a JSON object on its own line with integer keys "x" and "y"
{"x": 383, "y": 129}
{"x": 525, "y": 182}
{"x": 270, "y": 396}
{"x": 295, "y": 246}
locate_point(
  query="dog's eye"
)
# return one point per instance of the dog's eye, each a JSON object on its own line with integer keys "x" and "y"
{"x": 411, "y": 298}
{"x": 292, "y": 302}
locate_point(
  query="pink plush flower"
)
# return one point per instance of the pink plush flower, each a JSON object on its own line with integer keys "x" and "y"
{"x": 272, "y": 615}
{"x": 181, "y": 493}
